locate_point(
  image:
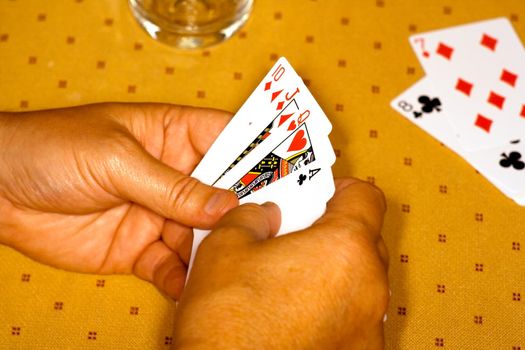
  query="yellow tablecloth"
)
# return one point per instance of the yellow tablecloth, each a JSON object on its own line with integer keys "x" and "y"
{"x": 457, "y": 244}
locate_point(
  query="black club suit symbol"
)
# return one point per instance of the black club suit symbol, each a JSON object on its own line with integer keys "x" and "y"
{"x": 512, "y": 160}
{"x": 302, "y": 179}
{"x": 429, "y": 104}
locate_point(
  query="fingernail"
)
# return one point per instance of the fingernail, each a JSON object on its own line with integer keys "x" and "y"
{"x": 272, "y": 207}
{"x": 269, "y": 205}
{"x": 217, "y": 203}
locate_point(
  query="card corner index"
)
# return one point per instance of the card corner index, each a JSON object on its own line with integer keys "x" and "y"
{"x": 281, "y": 59}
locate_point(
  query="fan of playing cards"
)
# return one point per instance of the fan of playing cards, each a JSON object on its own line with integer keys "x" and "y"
{"x": 473, "y": 98}
{"x": 276, "y": 148}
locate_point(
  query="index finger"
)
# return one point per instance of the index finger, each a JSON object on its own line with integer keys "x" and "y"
{"x": 246, "y": 224}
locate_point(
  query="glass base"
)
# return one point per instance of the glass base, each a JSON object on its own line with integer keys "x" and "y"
{"x": 187, "y": 40}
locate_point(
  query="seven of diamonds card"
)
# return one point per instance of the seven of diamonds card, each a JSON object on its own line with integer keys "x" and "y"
{"x": 479, "y": 69}
{"x": 473, "y": 98}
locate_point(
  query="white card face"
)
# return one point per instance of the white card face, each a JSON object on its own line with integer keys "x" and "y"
{"x": 301, "y": 196}
{"x": 480, "y": 68}
{"x": 503, "y": 165}
{"x": 293, "y": 194}
{"x": 278, "y": 157}
{"x": 273, "y": 108}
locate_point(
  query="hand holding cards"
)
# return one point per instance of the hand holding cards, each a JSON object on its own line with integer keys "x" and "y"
{"x": 473, "y": 98}
{"x": 276, "y": 148}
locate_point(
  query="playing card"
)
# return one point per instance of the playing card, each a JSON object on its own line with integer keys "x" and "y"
{"x": 480, "y": 68}
{"x": 503, "y": 165}
{"x": 276, "y": 148}
{"x": 273, "y": 109}
{"x": 279, "y": 157}
{"x": 290, "y": 155}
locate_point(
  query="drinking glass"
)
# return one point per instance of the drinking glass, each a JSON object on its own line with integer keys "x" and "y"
{"x": 190, "y": 24}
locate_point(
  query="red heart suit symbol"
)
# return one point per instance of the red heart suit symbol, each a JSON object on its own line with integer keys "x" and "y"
{"x": 298, "y": 142}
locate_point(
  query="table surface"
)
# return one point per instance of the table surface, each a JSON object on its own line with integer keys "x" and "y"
{"x": 457, "y": 245}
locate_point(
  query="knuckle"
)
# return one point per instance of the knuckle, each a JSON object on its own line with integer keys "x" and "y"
{"x": 375, "y": 194}
{"x": 347, "y": 238}
{"x": 349, "y": 230}
{"x": 166, "y": 111}
{"x": 180, "y": 193}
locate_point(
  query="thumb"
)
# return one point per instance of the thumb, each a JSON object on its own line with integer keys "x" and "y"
{"x": 141, "y": 178}
{"x": 245, "y": 224}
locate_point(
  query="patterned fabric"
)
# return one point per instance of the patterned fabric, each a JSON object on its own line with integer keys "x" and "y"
{"x": 457, "y": 245}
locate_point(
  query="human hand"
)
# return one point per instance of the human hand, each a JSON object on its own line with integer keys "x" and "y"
{"x": 105, "y": 189}
{"x": 324, "y": 287}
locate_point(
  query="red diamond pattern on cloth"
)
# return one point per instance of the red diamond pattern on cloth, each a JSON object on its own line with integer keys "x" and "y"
{"x": 267, "y": 86}
{"x": 489, "y": 42}
{"x": 522, "y": 114}
{"x": 464, "y": 86}
{"x": 508, "y": 77}
{"x": 496, "y": 100}
{"x": 483, "y": 123}
{"x": 445, "y": 51}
